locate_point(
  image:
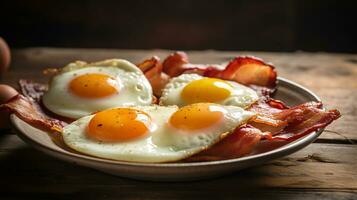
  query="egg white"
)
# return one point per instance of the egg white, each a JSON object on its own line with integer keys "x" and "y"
{"x": 240, "y": 96}
{"x": 133, "y": 87}
{"x": 164, "y": 144}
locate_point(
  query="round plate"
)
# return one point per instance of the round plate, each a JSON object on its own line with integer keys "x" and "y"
{"x": 288, "y": 91}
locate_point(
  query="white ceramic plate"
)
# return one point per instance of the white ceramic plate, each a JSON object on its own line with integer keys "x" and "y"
{"x": 288, "y": 91}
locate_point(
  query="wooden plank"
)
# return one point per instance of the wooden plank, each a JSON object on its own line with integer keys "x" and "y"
{"x": 114, "y": 192}
{"x": 331, "y": 76}
{"x": 325, "y": 171}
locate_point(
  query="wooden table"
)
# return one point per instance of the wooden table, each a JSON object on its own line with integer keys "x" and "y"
{"x": 326, "y": 169}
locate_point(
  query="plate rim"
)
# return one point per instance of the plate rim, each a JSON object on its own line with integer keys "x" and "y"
{"x": 279, "y": 152}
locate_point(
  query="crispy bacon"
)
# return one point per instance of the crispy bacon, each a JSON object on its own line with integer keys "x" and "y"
{"x": 29, "y": 107}
{"x": 174, "y": 64}
{"x": 152, "y": 69}
{"x": 32, "y": 89}
{"x": 247, "y": 70}
{"x": 268, "y": 106}
{"x": 301, "y": 120}
{"x": 304, "y": 119}
{"x": 278, "y": 124}
{"x": 240, "y": 143}
{"x": 264, "y": 108}
{"x": 292, "y": 123}
{"x": 30, "y": 111}
{"x": 177, "y": 63}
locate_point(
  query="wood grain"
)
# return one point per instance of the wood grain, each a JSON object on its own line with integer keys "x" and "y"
{"x": 318, "y": 171}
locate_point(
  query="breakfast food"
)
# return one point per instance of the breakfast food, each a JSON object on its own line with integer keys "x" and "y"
{"x": 193, "y": 88}
{"x": 274, "y": 125}
{"x": 205, "y": 112}
{"x": 153, "y": 133}
{"x": 80, "y": 88}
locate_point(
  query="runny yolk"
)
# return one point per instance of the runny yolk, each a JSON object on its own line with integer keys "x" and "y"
{"x": 118, "y": 124}
{"x": 93, "y": 86}
{"x": 197, "y": 116}
{"x": 206, "y": 90}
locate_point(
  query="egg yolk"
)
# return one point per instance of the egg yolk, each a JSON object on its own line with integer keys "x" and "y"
{"x": 206, "y": 90}
{"x": 119, "y": 124}
{"x": 197, "y": 116}
{"x": 93, "y": 86}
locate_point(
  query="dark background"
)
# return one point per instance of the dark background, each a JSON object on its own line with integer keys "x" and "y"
{"x": 271, "y": 25}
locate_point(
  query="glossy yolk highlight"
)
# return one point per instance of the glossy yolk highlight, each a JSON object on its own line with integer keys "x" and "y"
{"x": 93, "y": 86}
{"x": 206, "y": 90}
{"x": 119, "y": 124}
{"x": 197, "y": 116}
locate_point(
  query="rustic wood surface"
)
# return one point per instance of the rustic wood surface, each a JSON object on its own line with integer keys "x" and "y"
{"x": 326, "y": 169}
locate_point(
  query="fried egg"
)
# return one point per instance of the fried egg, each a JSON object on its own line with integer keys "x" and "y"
{"x": 193, "y": 88}
{"x": 153, "y": 134}
{"x": 83, "y": 88}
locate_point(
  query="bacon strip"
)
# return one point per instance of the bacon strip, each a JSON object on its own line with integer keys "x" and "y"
{"x": 304, "y": 119}
{"x": 32, "y": 89}
{"x": 301, "y": 120}
{"x": 247, "y": 70}
{"x": 240, "y": 143}
{"x": 279, "y": 125}
{"x": 152, "y": 69}
{"x": 177, "y": 63}
{"x": 30, "y": 111}
{"x": 292, "y": 123}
